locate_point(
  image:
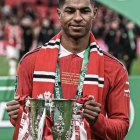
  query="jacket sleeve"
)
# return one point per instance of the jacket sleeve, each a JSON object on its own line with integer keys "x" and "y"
{"x": 24, "y": 83}
{"x": 114, "y": 125}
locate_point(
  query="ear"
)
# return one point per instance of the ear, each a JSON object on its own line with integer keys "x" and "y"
{"x": 59, "y": 13}
{"x": 95, "y": 12}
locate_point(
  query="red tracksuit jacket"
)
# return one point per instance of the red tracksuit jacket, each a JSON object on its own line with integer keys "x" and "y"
{"x": 113, "y": 121}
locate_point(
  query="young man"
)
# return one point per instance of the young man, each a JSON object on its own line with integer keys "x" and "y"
{"x": 75, "y": 51}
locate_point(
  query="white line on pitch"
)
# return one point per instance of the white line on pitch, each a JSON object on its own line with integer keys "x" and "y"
{"x": 7, "y": 88}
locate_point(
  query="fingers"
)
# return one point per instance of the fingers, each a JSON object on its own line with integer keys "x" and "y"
{"x": 13, "y": 114}
{"x": 92, "y": 103}
{"x": 12, "y": 108}
{"x": 13, "y": 102}
{"x": 91, "y": 110}
{"x": 90, "y": 97}
{"x": 89, "y": 117}
{"x": 16, "y": 97}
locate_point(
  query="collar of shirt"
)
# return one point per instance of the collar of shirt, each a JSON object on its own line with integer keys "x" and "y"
{"x": 63, "y": 52}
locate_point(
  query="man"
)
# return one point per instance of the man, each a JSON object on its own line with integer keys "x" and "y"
{"x": 85, "y": 71}
{"x": 46, "y": 31}
{"x": 13, "y": 37}
{"x": 128, "y": 40}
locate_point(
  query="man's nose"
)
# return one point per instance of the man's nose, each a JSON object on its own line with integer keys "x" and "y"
{"x": 77, "y": 16}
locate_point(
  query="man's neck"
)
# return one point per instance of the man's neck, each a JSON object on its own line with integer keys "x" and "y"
{"x": 75, "y": 45}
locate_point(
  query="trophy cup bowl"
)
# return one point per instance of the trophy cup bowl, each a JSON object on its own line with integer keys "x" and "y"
{"x": 61, "y": 112}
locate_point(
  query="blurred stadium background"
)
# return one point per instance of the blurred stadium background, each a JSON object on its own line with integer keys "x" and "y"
{"x": 117, "y": 29}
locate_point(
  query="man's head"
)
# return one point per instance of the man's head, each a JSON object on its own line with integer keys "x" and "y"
{"x": 61, "y": 2}
{"x": 76, "y": 17}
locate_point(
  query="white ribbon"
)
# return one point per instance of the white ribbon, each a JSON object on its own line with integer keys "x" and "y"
{"x": 83, "y": 133}
{"x": 41, "y": 125}
{"x": 24, "y": 131}
{"x": 79, "y": 132}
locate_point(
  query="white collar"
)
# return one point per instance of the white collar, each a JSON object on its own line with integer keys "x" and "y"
{"x": 63, "y": 52}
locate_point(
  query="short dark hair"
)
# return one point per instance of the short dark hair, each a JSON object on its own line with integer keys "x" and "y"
{"x": 61, "y": 2}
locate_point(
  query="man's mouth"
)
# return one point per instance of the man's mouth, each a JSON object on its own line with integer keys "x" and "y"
{"x": 76, "y": 27}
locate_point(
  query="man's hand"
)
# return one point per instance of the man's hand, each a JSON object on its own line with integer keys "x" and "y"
{"x": 91, "y": 110}
{"x": 13, "y": 107}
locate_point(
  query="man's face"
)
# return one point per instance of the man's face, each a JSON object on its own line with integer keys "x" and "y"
{"x": 76, "y": 17}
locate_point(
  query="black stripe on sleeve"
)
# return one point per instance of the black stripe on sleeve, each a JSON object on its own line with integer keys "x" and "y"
{"x": 94, "y": 79}
{"x": 44, "y": 76}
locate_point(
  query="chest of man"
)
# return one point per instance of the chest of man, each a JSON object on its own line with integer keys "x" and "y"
{"x": 70, "y": 67}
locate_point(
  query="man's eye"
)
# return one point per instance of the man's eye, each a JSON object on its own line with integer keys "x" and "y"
{"x": 85, "y": 11}
{"x": 70, "y": 11}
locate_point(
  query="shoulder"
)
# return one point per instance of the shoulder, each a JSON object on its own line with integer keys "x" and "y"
{"x": 30, "y": 56}
{"x": 27, "y": 63}
{"x": 114, "y": 70}
{"x": 112, "y": 62}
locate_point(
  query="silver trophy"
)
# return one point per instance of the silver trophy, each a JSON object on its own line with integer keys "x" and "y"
{"x": 60, "y": 110}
